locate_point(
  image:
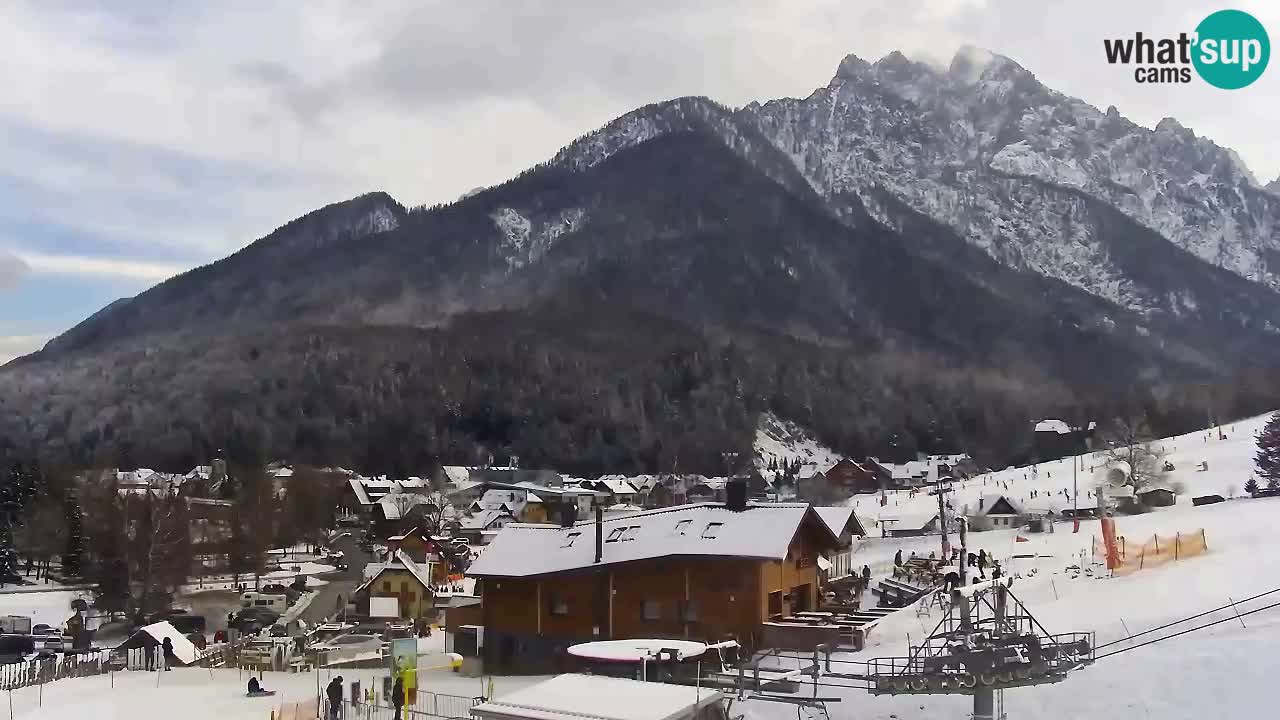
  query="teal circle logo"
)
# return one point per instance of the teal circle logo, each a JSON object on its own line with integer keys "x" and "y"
{"x": 1232, "y": 49}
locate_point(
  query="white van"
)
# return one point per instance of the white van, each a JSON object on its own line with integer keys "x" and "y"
{"x": 275, "y": 603}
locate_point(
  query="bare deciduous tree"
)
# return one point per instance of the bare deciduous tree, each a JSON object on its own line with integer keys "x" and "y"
{"x": 1128, "y": 439}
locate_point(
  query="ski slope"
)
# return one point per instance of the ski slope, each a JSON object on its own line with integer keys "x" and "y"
{"x": 1221, "y": 671}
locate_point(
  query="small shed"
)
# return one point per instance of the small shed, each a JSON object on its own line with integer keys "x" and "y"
{"x": 910, "y": 525}
{"x": 153, "y": 635}
{"x": 1156, "y": 496}
{"x": 574, "y": 697}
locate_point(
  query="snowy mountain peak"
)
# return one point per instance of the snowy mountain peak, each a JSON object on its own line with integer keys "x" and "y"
{"x": 1273, "y": 186}
{"x": 1171, "y": 125}
{"x": 971, "y": 64}
{"x": 851, "y": 67}
{"x": 927, "y": 139}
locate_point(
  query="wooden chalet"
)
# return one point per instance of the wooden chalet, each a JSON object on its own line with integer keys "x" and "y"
{"x": 707, "y": 571}
{"x": 403, "y": 579}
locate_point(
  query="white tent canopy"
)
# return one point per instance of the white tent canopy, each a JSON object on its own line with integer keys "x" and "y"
{"x": 154, "y": 634}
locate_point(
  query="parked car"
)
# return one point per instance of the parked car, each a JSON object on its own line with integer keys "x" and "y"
{"x": 43, "y": 629}
{"x": 16, "y": 648}
{"x": 188, "y": 624}
{"x": 252, "y": 619}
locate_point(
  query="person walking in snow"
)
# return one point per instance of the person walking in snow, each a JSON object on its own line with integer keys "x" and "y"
{"x": 982, "y": 561}
{"x": 149, "y": 657}
{"x": 167, "y": 652}
{"x": 897, "y": 558}
{"x": 397, "y": 696}
{"x": 333, "y": 691}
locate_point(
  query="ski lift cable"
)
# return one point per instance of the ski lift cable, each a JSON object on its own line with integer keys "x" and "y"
{"x": 1188, "y": 630}
{"x": 1191, "y": 617}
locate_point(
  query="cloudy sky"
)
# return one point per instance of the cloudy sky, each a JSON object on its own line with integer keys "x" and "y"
{"x": 143, "y": 137}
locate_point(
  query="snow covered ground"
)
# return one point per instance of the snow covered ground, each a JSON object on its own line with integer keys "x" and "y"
{"x": 50, "y": 607}
{"x": 1222, "y": 671}
{"x": 200, "y": 694}
{"x": 783, "y": 440}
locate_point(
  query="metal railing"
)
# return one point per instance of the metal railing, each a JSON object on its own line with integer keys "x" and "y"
{"x": 426, "y": 706}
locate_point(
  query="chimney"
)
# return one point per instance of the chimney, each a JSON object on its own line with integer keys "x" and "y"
{"x": 599, "y": 533}
{"x": 736, "y": 494}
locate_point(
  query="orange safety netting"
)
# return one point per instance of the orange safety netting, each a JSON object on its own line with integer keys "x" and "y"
{"x": 1153, "y": 551}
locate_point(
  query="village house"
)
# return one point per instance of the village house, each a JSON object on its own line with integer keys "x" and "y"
{"x": 707, "y": 571}
{"x": 843, "y": 522}
{"x": 403, "y": 579}
{"x": 425, "y": 551}
{"x": 1054, "y": 439}
{"x": 995, "y": 511}
{"x": 852, "y": 477}
{"x": 459, "y": 476}
{"x": 617, "y": 488}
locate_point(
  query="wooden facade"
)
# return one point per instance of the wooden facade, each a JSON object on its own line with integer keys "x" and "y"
{"x": 853, "y": 477}
{"x": 415, "y": 599}
{"x": 529, "y": 621}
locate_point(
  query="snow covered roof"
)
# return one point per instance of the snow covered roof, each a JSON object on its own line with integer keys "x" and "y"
{"x": 909, "y": 521}
{"x": 183, "y": 649}
{"x": 1055, "y": 426}
{"x": 703, "y": 529}
{"x": 990, "y": 500}
{"x": 401, "y": 561}
{"x": 204, "y": 472}
{"x": 457, "y": 474}
{"x": 837, "y": 518}
{"x": 617, "y": 484}
{"x": 596, "y": 697}
{"x": 392, "y": 504}
{"x": 483, "y": 519}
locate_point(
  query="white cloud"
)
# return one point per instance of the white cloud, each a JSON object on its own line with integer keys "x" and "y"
{"x": 187, "y": 130}
{"x": 12, "y": 346}
{"x": 99, "y": 266}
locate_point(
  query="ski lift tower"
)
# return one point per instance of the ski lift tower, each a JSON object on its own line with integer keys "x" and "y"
{"x": 986, "y": 643}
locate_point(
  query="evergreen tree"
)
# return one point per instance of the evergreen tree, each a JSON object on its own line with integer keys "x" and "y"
{"x": 1268, "y": 456}
{"x": 72, "y": 556}
{"x": 1251, "y": 486}
{"x": 106, "y": 564}
{"x": 12, "y": 500}
{"x": 1273, "y": 483}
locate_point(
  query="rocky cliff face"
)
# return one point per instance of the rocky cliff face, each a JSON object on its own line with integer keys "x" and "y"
{"x": 1014, "y": 167}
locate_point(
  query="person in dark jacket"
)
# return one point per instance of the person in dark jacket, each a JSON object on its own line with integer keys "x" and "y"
{"x": 982, "y": 561}
{"x": 149, "y": 656}
{"x": 951, "y": 581}
{"x": 397, "y": 696}
{"x": 334, "y": 692}
{"x": 897, "y": 559}
{"x": 166, "y": 648}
